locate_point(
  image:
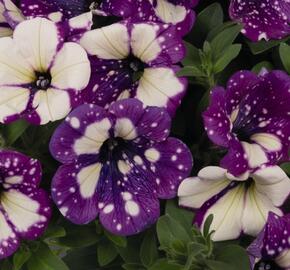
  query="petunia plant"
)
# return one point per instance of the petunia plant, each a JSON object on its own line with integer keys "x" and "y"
{"x": 144, "y": 135}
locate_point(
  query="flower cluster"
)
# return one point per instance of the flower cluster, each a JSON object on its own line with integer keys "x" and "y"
{"x": 109, "y": 70}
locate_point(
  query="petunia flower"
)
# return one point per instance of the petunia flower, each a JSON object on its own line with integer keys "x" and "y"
{"x": 117, "y": 163}
{"x": 135, "y": 60}
{"x": 25, "y": 209}
{"x": 238, "y": 205}
{"x": 41, "y": 77}
{"x": 251, "y": 118}
{"x": 176, "y": 12}
{"x": 74, "y": 17}
{"x": 271, "y": 249}
{"x": 262, "y": 19}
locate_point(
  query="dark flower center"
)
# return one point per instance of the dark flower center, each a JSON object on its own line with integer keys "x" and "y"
{"x": 136, "y": 67}
{"x": 242, "y": 134}
{"x": 267, "y": 265}
{"x": 43, "y": 81}
{"x": 112, "y": 149}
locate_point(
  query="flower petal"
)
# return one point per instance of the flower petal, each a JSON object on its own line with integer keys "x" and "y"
{"x": 32, "y": 38}
{"x": 71, "y": 68}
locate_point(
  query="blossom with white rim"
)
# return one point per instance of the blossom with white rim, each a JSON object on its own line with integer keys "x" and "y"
{"x": 239, "y": 205}
{"x": 271, "y": 249}
{"x": 135, "y": 60}
{"x": 251, "y": 119}
{"x": 39, "y": 80}
{"x": 25, "y": 209}
{"x": 116, "y": 164}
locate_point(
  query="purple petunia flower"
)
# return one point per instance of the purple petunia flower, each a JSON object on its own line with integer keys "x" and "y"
{"x": 135, "y": 60}
{"x": 116, "y": 164}
{"x": 39, "y": 80}
{"x": 271, "y": 249}
{"x": 262, "y": 19}
{"x": 73, "y": 17}
{"x": 24, "y": 208}
{"x": 238, "y": 205}
{"x": 176, "y": 12}
{"x": 251, "y": 119}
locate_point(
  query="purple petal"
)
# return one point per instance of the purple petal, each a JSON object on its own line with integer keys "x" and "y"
{"x": 262, "y": 19}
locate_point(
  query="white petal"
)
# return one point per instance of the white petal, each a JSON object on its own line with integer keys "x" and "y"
{"x": 268, "y": 141}
{"x": 13, "y": 100}
{"x": 256, "y": 210}
{"x": 13, "y": 67}
{"x": 110, "y": 42}
{"x": 227, "y": 211}
{"x": 5, "y": 32}
{"x": 88, "y": 178}
{"x": 125, "y": 129}
{"x": 213, "y": 173}
{"x": 22, "y": 210}
{"x": 37, "y": 40}
{"x": 274, "y": 183}
{"x": 144, "y": 42}
{"x": 170, "y": 13}
{"x": 283, "y": 260}
{"x": 5, "y": 231}
{"x": 13, "y": 11}
{"x": 94, "y": 136}
{"x": 255, "y": 154}
{"x": 194, "y": 192}
{"x": 51, "y": 104}
{"x": 157, "y": 86}
{"x": 83, "y": 21}
{"x": 71, "y": 68}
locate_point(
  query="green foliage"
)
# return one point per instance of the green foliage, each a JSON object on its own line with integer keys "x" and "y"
{"x": 284, "y": 51}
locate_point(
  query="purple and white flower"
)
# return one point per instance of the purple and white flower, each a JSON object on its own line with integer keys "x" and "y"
{"x": 39, "y": 80}
{"x": 117, "y": 163}
{"x": 25, "y": 209}
{"x": 238, "y": 205}
{"x": 73, "y": 17}
{"x": 251, "y": 119}
{"x": 262, "y": 19}
{"x": 176, "y": 12}
{"x": 271, "y": 249}
{"x": 135, "y": 60}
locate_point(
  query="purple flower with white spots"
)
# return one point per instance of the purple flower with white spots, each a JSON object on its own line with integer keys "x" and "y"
{"x": 262, "y": 19}
{"x": 238, "y": 205}
{"x": 251, "y": 119}
{"x": 25, "y": 209}
{"x": 176, "y": 12}
{"x": 73, "y": 17}
{"x": 135, "y": 60}
{"x": 271, "y": 249}
{"x": 40, "y": 81}
{"x": 117, "y": 163}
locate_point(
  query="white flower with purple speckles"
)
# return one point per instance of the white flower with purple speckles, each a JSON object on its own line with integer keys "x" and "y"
{"x": 262, "y": 19}
{"x": 238, "y": 205}
{"x": 39, "y": 80}
{"x": 251, "y": 119}
{"x": 135, "y": 60}
{"x": 25, "y": 209}
{"x": 117, "y": 163}
{"x": 176, "y": 12}
{"x": 271, "y": 249}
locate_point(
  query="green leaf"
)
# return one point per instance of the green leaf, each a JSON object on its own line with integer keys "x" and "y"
{"x": 54, "y": 231}
{"x": 6, "y": 265}
{"x": 284, "y": 51}
{"x": 235, "y": 256}
{"x": 164, "y": 265}
{"x": 216, "y": 265}
{"x": 131, "y": 253}
{"x": 14, "y": 131}
{"x": 192, "y": 57}
{"x": 265, "y": 64}
{"x": 229, "y": 54}
{"x": 224, "y": 39}
{"x": 133, "y": 266}
{"x": 21, "y": 257}
{"x": 148, "y": 250}
{"x": 207, "y": 224}
{"x": 169, "y": 230}
{"x": 120, "y": 241}
{"x": 181, "y": 215}
{"x": 207, "y": 19}
{"x": 44, "y": 259}
{"x": 190, "y": 71}
{"x": 106, "y": 252}
{"x": 263, "y": 45}
{"x": 286, "y": 167}
{"x": 218, "y": 29}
